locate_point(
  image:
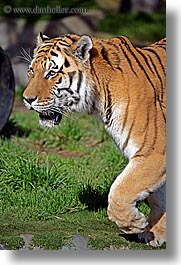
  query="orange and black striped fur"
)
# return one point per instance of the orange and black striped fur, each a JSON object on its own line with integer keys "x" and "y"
{"x": 126, "y": 87}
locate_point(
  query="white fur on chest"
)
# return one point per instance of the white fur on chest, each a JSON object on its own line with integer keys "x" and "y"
{"x": 121, "y": 135}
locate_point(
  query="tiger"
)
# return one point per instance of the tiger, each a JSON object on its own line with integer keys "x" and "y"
{"x": 125, "y": 86}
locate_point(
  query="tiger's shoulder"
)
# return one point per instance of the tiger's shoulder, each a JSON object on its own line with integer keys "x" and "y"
{"x": 122, "y": 49}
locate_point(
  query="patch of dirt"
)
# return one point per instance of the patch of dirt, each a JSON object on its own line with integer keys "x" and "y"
{"x": 39, "y": 148}
{"x": 69, "y": 154}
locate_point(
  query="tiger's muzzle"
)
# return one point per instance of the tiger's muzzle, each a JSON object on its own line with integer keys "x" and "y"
{"x": 47, "y": 117}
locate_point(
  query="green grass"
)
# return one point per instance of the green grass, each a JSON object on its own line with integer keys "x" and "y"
{"x": 138, "y": 27}
{"x": 55, "y": 183}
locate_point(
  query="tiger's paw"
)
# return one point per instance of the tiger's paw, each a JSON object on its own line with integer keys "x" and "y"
{"x": 156, "y": 235}
{"x": 152, "y": 239}
{"x": 130, "y": 222}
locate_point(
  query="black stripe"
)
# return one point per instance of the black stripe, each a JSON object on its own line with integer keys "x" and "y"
{"x": 60, "y": 70}
{"x": 66, "y": 63}
{"x": 154, "y": 138}
{"x": 129, "y": 61}
{"x": 108, "y": 107}
{"x": 41, "y": 53}
{"x": 145, "y": 58}
{"x": 79, "y": 81}
{"x": 163, "y": 112}
{"x": 60, "y": 80}
{"x": 143, "y": 69}
{"x": 128, "y": 136}
{"x": 145, "y": 138}
{"x": 157, "y": 56}
{"x": 55, "y": 67}
{"x": 58, "y": 48}
{"x": 161, "y": 46}
{"x": 39, "y": 56}
{"x": 71, "y": 75}
{"x": 68, "y": 89}
{"x": 125, "y": 115}
{"x": 44, "y": 49}
{"x": 159, "y": 77}
{"x": 96, "y": 78}
{"x": 63, "y": 43}
{"x": 94, "y": 73}
{"x": 73, "y": 39}
{"x": 105, "y": 56}
{"x": 66, "y": 52}
{"x": 114, "y": 54}
{"x": 127, "y": 57}
{"x": 119, "y": 68}
{"x": 51, "y": 92}
{"x": 85, "y": 98}
{"x": 53, "y": 53}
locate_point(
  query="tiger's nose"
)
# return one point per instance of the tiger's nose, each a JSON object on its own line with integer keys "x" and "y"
{"x": 29, "y": 100}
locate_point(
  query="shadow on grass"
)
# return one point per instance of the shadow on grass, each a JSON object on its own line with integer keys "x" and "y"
{"x": 132, "y": 238}
{"x": 94, "y": 199}
{"x": 11, "y": 129}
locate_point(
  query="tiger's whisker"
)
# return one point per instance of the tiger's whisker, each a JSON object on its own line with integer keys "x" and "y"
{"x": 25, "y": 56}
{"x": 64, "y": 113}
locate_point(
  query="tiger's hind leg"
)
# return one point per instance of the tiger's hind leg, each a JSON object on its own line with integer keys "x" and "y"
{"x": 156, "y": 230}
{"x": 135, "y": 183}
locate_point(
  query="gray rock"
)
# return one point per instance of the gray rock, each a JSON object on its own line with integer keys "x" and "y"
{"x": 68, "y": 248}
{"x": 80, "y": 242}
{"x": 2, "y": 247}
{"x": 75, "y": 24}
{"x": 27, "y": 240}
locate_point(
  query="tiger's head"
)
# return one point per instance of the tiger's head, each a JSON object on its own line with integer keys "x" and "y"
{"x": 59, "y": 80}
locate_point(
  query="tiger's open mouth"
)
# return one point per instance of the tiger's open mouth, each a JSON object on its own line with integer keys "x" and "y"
{"x": 50, "y": 118}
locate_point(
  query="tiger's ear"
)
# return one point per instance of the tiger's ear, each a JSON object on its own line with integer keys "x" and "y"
{"x": 41, "y": 38}
{"x": 84, "y": 45}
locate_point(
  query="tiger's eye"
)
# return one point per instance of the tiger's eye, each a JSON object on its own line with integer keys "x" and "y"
{"x": 52, "y": 72}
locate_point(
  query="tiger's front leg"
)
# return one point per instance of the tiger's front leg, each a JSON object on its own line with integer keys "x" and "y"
{"x": 135, "y": 183}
